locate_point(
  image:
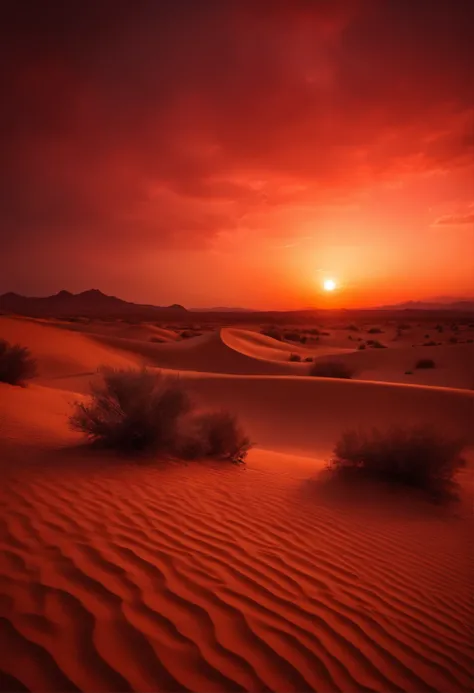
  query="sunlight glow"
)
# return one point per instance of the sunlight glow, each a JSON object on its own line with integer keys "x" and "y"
{"x": 329, "y": 285}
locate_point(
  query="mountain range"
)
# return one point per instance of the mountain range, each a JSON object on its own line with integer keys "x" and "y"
{"x": 94, "y": 303}
{"x": 91, "y": 303}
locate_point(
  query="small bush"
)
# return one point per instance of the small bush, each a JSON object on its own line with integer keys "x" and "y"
{"x": 309, "y": 359}
{"x": 132, "y": 411}
{"x": 314, "y": 331}
{"x": 361, "y": 346}
{"x": 352, "y": 328}
{"x": 439, "y": 328}
{"x": 16, "y": 364}
{"x": 430, "y": 343}
{"x": 408, "y": 372}
{"x": 375, "y": 330}
{"x": 216, "y": 435}
{"x": 140, "y": 411}
{"x": 420, "y": 457}
{"x": 295, "y": 357}
{"x": 187, "y": 334}
{"x": 293, "y": 337}
{"x": 425, "y": 363}
{"x": 331, "y": 369}
{"x": 375, "y": 344}
{"x": 453, "y": 340}
{"x": 273, "y": 333}
{"x": 403, "y": 326}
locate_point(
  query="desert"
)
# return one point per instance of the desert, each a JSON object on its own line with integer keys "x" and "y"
{"x": 236, "y": 346}
{"x": 158, "y": 574}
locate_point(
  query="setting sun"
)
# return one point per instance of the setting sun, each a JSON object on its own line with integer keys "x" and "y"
{"x": 329, "y": 285}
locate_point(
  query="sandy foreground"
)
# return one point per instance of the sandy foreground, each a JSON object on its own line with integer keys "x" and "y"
{"x": 120, "y": 576}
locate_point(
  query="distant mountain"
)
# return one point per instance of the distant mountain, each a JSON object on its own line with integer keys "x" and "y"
{"x": 91, "y": 303}
{"x": 442, "y": 303}
{"x": 222, "y": 309}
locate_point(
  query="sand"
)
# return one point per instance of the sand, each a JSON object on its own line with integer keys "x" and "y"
{"x": 120, "y": 575}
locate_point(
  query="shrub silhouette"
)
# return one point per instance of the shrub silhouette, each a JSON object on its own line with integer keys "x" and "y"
{"x": 375, "y": 344}
{"x": 140, "y": 411}
{"x": 16, "y": 364}
{"x": 295, "y": 357}
{"x": 331, "y": 369}
{"x": 361, "y": 346}
{"x": 273, "y": 333}
{"x": 309, "y": 359}
{"x": 425, "y": 363}
{"x": 132, "y": 410}
{"x": 187, "y": 334}
{"x": 375, "y": 330}
{"x": 294, "y": 337}
{"x": 216, "y": 435}
{"x": 430, "y": 343}
{"x": 419, "y": 456}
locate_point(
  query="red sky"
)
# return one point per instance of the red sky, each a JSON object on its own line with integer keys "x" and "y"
{"x": 237, "y": 152}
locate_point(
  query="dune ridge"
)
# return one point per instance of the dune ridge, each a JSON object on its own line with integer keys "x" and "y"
{"x": 160, "y": 575}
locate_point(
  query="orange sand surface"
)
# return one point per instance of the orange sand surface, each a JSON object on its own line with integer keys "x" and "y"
{"x": 124, "y": 575}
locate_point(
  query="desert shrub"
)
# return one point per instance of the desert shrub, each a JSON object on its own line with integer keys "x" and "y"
{"x": 157, "y": 340}
{"x": 132, "y": 410}
{"x": 439, "y": 328}
{"x": 309, "y": 359}
{"x": 331, "y": 369}
{"x": 375, "y": 344}
{"x": 352, "y": 328}
{"x": 217, "y": 435}
{"x": 135, "y": 411}
{"x": 295, "y": 357}
{"x": 375, "y": 330}
{"x": 419, "y": 456}
{"x": 293, "y": 336}
{"x": 187, "y": 334}
{"x": 273, "y": 333}
{"x": 314, "y": 331}
{"x": 16, "y": 363}
{"x": 361, "y": 346}
{"x": 425, "y": 363}
{"x": 403, "y": 326}
{"x": 453, "y": 340}
{"x": 408, "y": 372}
{"x": 430, "y": 343}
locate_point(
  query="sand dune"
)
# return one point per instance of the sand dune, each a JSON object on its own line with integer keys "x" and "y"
{"x": 121, "y": 576}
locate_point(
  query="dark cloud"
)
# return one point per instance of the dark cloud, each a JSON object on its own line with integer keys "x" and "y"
{"x": 162, "y": 123}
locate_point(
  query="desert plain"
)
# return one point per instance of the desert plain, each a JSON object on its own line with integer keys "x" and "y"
{"x": 162, "y": 575}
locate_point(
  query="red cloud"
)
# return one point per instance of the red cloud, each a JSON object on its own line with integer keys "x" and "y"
{"x": 157, "y": 123}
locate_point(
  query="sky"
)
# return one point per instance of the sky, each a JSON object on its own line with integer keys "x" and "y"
{"x": 238, "y": 152}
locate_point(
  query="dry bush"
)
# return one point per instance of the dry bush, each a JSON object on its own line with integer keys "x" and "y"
{"x": 331, "y": 369}
{"x": 16, "y": 364}
{"x": 187, "y": 334}
{"x": 430, "y": 343}
{"x": 361, "y": 346}
{"x": 375, "y": 344}
{"x": 216, "y": 435}
{"x": 420, "y": 457}
{"x": 295, "y": 357}
{"x": 425, "y": 363}
{"x": 140, "y": 411}
{"x": 273, "y": 333}
{"x": 294, "y": 337}
{"x": 132, "y": 410}
{"x": 309, "y": 359}
{"x": 375, "y": 330}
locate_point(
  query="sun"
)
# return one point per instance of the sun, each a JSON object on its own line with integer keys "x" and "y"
{"x": 329, "y": 285}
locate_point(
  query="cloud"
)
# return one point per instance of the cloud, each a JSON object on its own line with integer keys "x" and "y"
{"x": 455, "y": 219}
{"x": 164, "y": 124}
